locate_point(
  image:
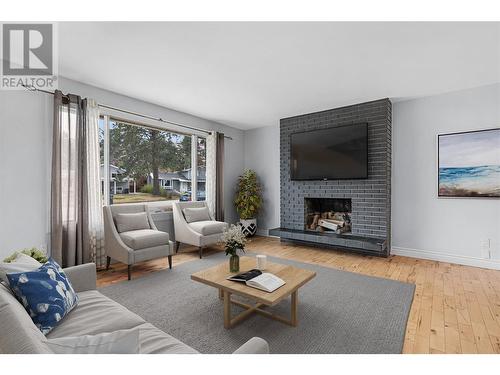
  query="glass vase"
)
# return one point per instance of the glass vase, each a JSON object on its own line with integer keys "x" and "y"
{"x": 234, "y": 264}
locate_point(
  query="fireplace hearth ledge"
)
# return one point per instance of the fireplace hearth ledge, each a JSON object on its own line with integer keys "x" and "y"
{"x": 364, "y": 245}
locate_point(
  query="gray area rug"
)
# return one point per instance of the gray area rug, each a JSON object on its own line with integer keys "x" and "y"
{"x": 339, "y": 312}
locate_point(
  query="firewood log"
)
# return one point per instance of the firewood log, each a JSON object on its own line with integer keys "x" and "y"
{"x": 315, "y": 222}
{"x": 327, "y": 224}
{"x": 339, "y": 216}
{"x": 340, "y": 223}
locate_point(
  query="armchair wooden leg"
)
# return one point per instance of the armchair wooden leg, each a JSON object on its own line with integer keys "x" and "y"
{"x": 108, "y": 261}
{"x": 129, "y": 269}
{"x": 177, "y": 244}
{"x": 200, "y": 249}
{"x": 170, "y": 261}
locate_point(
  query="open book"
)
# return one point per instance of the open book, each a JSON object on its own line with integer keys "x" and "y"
{"x": 256, "y": 279}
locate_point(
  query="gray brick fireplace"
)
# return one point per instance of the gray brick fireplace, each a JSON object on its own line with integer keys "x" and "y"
{"x": 370, "y": 199}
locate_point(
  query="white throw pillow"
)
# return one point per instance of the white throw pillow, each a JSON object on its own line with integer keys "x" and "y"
{"x": 21, "y": 263}
{"x": 128, "y": 222}
{"x": 118, "y": 342}
{"x": 196, "y": 214}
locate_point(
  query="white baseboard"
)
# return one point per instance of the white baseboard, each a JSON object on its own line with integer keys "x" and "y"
{"x": 493, "y": 264}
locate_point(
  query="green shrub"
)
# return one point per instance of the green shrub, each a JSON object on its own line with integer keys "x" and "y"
{"x": 148, "y": 189}
{"x": 168, "y": 194}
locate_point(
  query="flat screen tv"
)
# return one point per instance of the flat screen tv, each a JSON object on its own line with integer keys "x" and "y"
{"x": 337, "y": 153}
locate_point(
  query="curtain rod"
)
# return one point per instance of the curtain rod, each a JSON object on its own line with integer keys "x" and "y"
{"x": 31, "y": 88}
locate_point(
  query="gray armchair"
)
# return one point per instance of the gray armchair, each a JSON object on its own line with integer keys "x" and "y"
{"x": 131, "y": 236}
{"x": 200, "y": 229}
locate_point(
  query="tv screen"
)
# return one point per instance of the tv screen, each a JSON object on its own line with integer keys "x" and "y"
{"x": 330, "y": 154}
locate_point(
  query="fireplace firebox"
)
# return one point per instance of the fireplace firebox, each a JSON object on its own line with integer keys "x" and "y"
{"x": 328, "y": 215}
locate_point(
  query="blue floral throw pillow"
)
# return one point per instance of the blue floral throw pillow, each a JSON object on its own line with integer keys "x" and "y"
{"x": 45, "y": 293}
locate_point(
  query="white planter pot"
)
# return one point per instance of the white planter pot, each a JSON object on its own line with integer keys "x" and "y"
{"x": 248, "y": 227}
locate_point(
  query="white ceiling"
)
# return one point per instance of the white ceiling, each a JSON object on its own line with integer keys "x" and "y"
{"x": 252, "y": 74}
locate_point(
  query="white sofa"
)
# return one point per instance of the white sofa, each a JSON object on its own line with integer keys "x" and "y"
{"x": 94, "y": 314}
{"x": 199, "y": 233}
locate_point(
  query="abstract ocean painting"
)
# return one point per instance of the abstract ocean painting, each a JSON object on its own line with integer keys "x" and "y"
{"x": 469, "y": 164}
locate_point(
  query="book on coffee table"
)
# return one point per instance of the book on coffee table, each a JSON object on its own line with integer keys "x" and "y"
{"x": 257, "y": 279}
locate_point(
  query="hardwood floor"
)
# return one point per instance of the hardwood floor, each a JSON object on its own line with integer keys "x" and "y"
{"x": 456, "y": 309}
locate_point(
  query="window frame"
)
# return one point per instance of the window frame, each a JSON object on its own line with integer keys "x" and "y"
{"x": 110, "y": 115}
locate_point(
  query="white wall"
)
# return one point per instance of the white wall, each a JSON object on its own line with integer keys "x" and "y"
{"x": 423, "y": 225}
{"x": 25, "y": 152}
{"x": 262, "y": 154}
{"x": 24, "y": 170}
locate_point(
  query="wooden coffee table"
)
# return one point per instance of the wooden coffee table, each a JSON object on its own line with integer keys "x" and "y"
{"x": 293, "y": 276}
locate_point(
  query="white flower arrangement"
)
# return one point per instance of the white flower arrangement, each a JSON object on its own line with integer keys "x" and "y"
{"x": 233, "y": 240}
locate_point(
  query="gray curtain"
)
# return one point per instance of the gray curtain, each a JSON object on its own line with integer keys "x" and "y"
{"x": 219, "y": 177}
{"x": 69, "y": 242}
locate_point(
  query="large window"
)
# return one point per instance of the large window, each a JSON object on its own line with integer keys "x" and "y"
{"x": 144, "y": 164}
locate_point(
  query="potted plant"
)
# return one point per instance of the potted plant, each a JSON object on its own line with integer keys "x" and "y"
{"x": 234, "y": 240}
{"x": 248, "y": 201}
